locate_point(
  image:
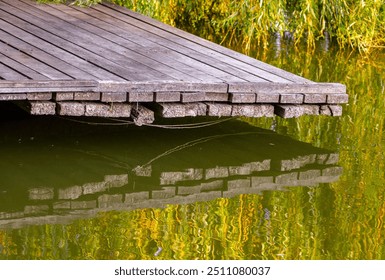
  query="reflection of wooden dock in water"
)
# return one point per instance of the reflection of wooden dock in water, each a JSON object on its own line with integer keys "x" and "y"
{"x": 95, "y": 169}
{"x": 115, "y": 192}
{"x": 100, "y": 61}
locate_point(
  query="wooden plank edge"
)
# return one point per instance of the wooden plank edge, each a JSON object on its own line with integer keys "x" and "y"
{"x": 21, "y": 90}
{"x": 48, "y": 83}
{"x": 161, "y": 86}
{"x": 286, "y": 88}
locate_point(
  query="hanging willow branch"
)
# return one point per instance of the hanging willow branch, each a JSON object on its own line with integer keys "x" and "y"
{"x": 359, "y": 24}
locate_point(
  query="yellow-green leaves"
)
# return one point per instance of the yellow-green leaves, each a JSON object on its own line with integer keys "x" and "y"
{"x": 358, "y": 23}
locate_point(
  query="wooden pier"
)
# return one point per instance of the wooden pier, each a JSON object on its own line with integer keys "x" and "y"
{"x": 107, "y": 61}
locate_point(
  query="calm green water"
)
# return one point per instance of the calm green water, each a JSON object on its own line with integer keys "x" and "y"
{"x": 307, "y": 188}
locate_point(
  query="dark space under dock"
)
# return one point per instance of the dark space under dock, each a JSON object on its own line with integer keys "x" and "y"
{"x": 107, "y": 61}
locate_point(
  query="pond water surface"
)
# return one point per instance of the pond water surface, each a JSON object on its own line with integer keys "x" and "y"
{"x": 306, "y": 188}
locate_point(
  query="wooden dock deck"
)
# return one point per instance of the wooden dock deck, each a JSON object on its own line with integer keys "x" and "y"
{"x": 108, "y": 61}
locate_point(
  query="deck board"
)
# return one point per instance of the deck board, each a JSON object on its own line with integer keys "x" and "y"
{"x": 14, "y": 69}
{"x": 150, "y": 39}
{"x": 107, "y": 53}
{"x": 125, "y": 57}
{"x": 140, "y": 44}
{"x": 31, "y": 51}
{"x": 29, "y": 55}
{"x": 188, "y": 68}
{"x": 195, "y": 51}
{"x": 67, "y": 51}
{"x": 219, "y": 50}
{"x": 8, "y": 73}
{"x": 130, "y": 69}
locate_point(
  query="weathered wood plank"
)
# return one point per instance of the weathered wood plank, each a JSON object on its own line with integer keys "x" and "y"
{"x": 140, "y": 96}
{"x": 314, "y": 98}
{"x": 219, "y": 50}
{"x": 271, "y": 97}
{"x": 161, "y": 86}
{"x": 241, "y": 97}
{"x": 11, "y": 70}
{"x": 114, "y": 96}
{"x": 12, "y": 96}
{"x": 200, "y": 61}
{"x": 190, "y": 49}
{"x": 167, "y": 96}
{"x": 291, "y": 98}
{"x": 41, "y": 43}
{"x": 186, "y": 97}
{"x": 9, "y": 74}
{"x": 217, "y": 96}
{"x": 153, "y": 57}
{"x": 135, "y": 64}
{"x": 282, "y": 88}
{"x": 49, "y": 84}
{"x": 21, "y": 48}
{"x": 27, "y": 86}
{"x": 337, "y": 98}
{"x": 124, "y": 66}
{"x": 139, "y": 44}
{"x": 86, "y": 96}
{"x": 39, "y": 96}
{"x": 72, "y": 51}
{"x": 62, "y": 96}
{"x": 67, "y": 51}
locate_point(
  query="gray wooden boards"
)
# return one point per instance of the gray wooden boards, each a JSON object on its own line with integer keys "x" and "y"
{"x": 108, "y": 54}
{"x": 30, "y": 86}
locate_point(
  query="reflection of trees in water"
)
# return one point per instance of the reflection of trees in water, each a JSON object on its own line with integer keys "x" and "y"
{"x": 157, "y": 188}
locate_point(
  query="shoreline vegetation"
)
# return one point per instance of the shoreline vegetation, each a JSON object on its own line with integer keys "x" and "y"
{"x": 355, "y": 24}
